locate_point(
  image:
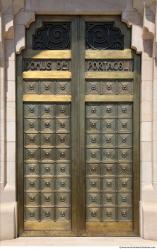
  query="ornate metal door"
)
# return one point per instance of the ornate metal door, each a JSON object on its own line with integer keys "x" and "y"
{"x": 78, "y": 128}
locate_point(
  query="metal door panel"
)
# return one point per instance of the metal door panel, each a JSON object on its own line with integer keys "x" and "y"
{"x": 32, "y": 155}
{"x": 109, "y": 155}
{"x": 78, "y": 128}
{"x": 62, "y": 110}
{"x": 47, "y": 155}
{"x": 125, "y": 111}
{"x": 31, "y": 111}
{"x": 109, "y": 169}
{"x": 108, "y": 214}
{"x": 62, "y": 184}
{"x": 93, "y": 169}
{"x": 93, "y": 125}
{"x": 47, "y": 184}
{"x": 124, "y": 214}
{"x": 47, "y": 213}
{"x": 63, "y": 214}
{"x": 108, "y": 125}
{"x": 93, "y": 155}
{"x": 31, "y": 126}
{"x": 93, "y": 214}
{"x": 32, "y": 140}
{"x": 109, "y": 140}
{"x": 124, "y": 140}
{"x": 32, "y": 169}
{"x": 47, "y": 169}
{"x": 93, "y": 111}
{"x": 125, "y": 87}
{"x": 32, "y": 213}
{"x": 93, "y": 87}
{"x": 63, "y": 87}
{"x": 93, "y": 184}
{"x": 124, "y": 169}
{"x": 109, "y": 87}
{"x": 108, "y": 111}
{"x": 93, "y": 140}
{"x": 124, "y": 155}
{"x": 124, "y": 184}
{"x": 93, "y": 199}
{"x": 32, "y": 199}
{"x": 109, "y": 199}
{"x": 124, "y": 125}
{"x": 47, "y": 125}
{"x": 47, "y": 199}
{"x": 47, "y": 140}
{"x": 31, "y": 87}
{"x": 109, "y": 184}
{"x": 62, "y": 125}
{"x": 32, "y": 184}
{"x": 62, "y": 155}
{"x": 47, "y": 87}
{"x": 63, "y": 199}
{"x": 63, "y": 140}
{"x": 124, "y": 199}
{"x": 63, "y": 169}
{"x": 47, "y": 111}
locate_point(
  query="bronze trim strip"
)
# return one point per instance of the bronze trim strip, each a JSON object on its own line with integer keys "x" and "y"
{"x": 108, "y": 54}
{"x": 122, "y": 228}
{"x": 47, "y": 225}
{"x": 46, "y": 98}
{"x": 108, "y": 98}
{"x": 48, "y": 54}
{"x": 46, "y": 75}
{"x": 109, "y": 75}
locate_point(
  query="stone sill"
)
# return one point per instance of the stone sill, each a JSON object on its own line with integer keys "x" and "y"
{"x": 77, "y": 241}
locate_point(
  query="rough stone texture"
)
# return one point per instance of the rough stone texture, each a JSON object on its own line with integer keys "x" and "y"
{"x": 8, "y": 220}
{"x": 15, "y": 16}
{"x": 149, "y": 215}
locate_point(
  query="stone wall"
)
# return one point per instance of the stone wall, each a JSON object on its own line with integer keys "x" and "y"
{"x": 15, "y": 16}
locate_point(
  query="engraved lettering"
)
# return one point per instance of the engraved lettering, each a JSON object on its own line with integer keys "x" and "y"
{"x": 46, "y": 65}
{"x": 59, "y": 66}
{"x": 109, "y": 65}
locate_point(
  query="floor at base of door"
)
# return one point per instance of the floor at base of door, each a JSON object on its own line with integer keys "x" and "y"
{"x": 90, "y": 241}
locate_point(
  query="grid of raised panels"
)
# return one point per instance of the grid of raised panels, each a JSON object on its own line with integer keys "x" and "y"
{"x": 109, "y": 87}
{"x": 54, "y": 87}
{"x": 108, "y": 162}
{"x": 47, "y": 162}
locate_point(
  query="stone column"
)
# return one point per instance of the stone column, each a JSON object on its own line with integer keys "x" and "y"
{"x": 149, "y": 124}
{"x": 8, "y": 212}
{"x": 7, "y": 141}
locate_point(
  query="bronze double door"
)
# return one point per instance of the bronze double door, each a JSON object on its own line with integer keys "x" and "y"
{"x": 78, "y": 128}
